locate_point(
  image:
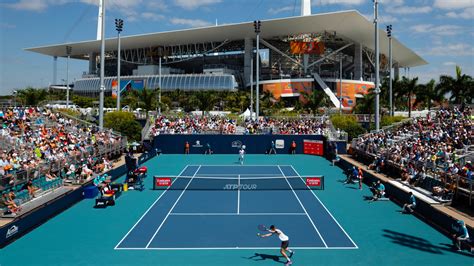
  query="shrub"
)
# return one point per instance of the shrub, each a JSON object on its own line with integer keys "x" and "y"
{"x": 349, "y": 124}
{"x": 125, "y": 123}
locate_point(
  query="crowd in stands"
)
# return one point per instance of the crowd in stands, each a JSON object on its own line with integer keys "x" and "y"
{"x": 221, "y": 125}
{"x": 430, "y": 146}
{"x": 41, "y": 144}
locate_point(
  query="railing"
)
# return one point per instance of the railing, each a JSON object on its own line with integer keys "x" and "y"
{"x": 435, "y": 171}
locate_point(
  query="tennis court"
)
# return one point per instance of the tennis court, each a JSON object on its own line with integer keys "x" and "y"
{"x": 207, "y": 222}
{"x": 209, "y": 202}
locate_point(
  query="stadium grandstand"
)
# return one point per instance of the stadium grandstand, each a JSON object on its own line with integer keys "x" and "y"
{"x": 296, "y": 54}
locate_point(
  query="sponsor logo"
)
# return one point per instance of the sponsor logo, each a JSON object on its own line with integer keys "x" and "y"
{"x": 11, "y": 231}
{"x": 197, "y": 144}
{"x": 163, "y": 181}
{"x": 280, "y": 144}
{"x": 313, "y": 181}
{"x": 236, "y": 144}
{"x": 240, "y": 187}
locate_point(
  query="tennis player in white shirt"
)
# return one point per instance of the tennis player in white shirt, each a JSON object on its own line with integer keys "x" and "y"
{"x": 242, "y": 154}
{"x": 285, "y": 241}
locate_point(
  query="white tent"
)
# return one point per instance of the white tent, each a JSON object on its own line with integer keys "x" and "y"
{"x": 247, "y": 114}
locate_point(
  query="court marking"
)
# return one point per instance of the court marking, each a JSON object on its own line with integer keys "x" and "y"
{"x": 304, "y": 209}
{"x": 233, "y": 177}
{"x": 238, "y": 248}
{"x": 167, "y": 215}
{"x": 324, "y": 206}
{"x": 151, "y": 206}
{"x": 238, "y": 195}
{"x": 249, "y": 214}
{"x": 230, "y": 213}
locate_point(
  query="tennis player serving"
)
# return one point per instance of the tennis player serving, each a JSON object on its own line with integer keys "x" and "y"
{"x": 285, "y": 240}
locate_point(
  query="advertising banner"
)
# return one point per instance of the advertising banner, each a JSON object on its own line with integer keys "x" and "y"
{"x": 298, "y": 47}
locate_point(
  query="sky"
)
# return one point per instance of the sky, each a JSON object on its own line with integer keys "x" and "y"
{"x": 441, "y": 31}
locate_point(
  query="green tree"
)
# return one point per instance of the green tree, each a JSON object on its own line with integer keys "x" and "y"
{"x": 314, "y": 100}
{"x": 204, "y": 100}
{"x": 125, "y": 123}
{"x": 427, "y": 94}
{"x": 82, "y": 101}
{"x": 349, "y": 124}
{"x": 461, "y": 87}
{"x": 406, "y": 89}
{"x": 31, "y": 96}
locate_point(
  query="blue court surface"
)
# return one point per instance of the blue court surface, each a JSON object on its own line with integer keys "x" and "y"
{"x": 199, "y": 222}
{"x": 208, "y": 214}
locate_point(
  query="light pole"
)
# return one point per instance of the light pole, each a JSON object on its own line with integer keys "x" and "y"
{"x": 14, "y": 96}
{"x": 118, "y": 27}
{"x": 256, "y": 25}
{"x": 251, "y": 88}
{"x": 377, "y": 88}
{"x": 68, "y": 52}
{"x": 389, "y": 35}
{"x": 340, "y": 85}
{"x": 102, "y": 62}
{"x": 159, "y": 85}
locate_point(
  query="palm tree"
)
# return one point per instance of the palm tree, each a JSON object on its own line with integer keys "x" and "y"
{"x": 204, "y": 100}
{"x": 31, "y": 96}
{"x": 427, "y": 94}
{"x": 407, "y": 88}
{"x": 461, "y": 88}
{"x": 314, "y": 99}
{"x": 146, "y": 99}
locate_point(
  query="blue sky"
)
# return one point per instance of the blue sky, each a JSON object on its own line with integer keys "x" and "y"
{"x": 441, "y": 31}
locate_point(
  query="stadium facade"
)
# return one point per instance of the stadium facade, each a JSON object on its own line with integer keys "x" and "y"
{"x": 296, "y": 54}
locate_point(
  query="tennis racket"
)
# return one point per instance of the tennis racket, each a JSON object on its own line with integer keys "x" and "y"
{"x": 262, "y": 228}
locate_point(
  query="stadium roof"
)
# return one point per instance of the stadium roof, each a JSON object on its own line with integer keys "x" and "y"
{"x": 350, "y": 25}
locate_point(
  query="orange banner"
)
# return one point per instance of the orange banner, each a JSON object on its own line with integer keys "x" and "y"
{"x": 307, "y": 47}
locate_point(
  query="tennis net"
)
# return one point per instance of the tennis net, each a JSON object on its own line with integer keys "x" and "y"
{"x": 235, "y": 183}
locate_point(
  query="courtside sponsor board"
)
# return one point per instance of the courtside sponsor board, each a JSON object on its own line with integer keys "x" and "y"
{"x": 280, "y": 144}
{"x": 12, "y": 231}
{"x": 162, "y": 181}
{"x": 313, "y": 181}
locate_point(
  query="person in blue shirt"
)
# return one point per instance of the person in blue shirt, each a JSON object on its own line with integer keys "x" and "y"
{"x": 379, "y": 191}
{"x": 461, "y": 235}
{"x": 272, "y": 149}
{"x": 408, "y": 207}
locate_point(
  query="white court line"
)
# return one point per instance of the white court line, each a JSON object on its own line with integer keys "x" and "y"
{"x": 238, "y": 195}
{"x": 304, "y": 209}
{"x": 234, "y": 165}
{"x": 231, "y": 214}
{"x": 242, "y": 178}
{"x": 153, "y": 204}
{"x": 167, "y": 215}
{"x": 330, "y": 214}
{"x": 239, "y": 248}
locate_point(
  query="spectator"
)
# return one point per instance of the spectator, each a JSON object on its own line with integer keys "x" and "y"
{"x": 30, "y": 187}
{"x": 408, "y": 207}
{"x": 461, "y": 235}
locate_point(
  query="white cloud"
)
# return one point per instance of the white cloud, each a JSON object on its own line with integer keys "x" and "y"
{"x": 467, "y": 13}
{"x": 387, "y": 19}
{"x": 453, "y": 4}
{"x": 280, "y": 10}
{"x": 340, "y": 2}
{"x": 152, "y": 16}
{"x": 453, "y": 49}
{"x": 443, "y": 30}
{"x": 29, "y": 5}
{"x": 193, "y": 23}
{"x": 449, "y": 63}
{"x": 193, "y": 4}
{"x": 392, "y": 2}
{"x": 409, "y": 10}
